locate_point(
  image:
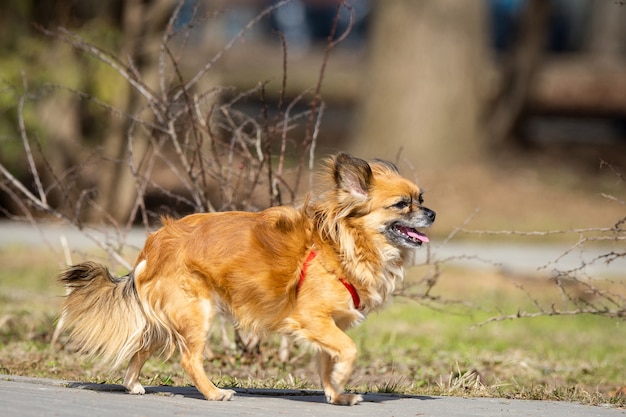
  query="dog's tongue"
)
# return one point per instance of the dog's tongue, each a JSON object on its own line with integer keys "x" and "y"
{"x": 417, "y": 235}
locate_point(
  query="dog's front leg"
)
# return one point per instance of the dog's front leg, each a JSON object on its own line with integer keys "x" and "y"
{"x": 336, "y": 362}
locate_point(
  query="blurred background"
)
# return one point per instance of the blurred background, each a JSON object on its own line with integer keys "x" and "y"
{"x": 513, "y": 107}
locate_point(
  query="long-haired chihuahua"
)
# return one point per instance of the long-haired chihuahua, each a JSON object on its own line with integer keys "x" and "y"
{"x": 310, "y": 272}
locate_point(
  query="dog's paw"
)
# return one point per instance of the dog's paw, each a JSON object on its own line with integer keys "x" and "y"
{"x": 136, "y": 389}
{"x": 345, "y": 399}
{"x": 221, "y": 395}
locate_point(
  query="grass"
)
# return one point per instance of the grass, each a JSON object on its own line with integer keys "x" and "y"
{"x": 407, "y": 348}
{"x": 503, "y": 359}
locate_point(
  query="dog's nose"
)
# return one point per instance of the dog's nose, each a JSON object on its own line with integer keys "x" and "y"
{"x": 430, "y": 214}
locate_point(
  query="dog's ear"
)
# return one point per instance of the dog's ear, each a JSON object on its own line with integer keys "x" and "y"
{"x": 353, "y": 175}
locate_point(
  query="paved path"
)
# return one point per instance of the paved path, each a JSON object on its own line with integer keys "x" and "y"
{"x": 30, "y": 397}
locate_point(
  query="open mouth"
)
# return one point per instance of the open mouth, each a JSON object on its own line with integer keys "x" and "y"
{"x": 409, "y": 235}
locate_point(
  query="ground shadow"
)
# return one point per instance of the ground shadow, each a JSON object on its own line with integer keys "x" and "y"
{"x": 287, "y": 394}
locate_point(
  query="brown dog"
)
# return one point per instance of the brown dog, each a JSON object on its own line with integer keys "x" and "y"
{"x": 310, "y": 273}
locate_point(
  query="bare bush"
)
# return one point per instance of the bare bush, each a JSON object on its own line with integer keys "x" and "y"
{"x": 582, "y": 288}
{"x": 186, "y": 145}
{"x": 591, "y": 282}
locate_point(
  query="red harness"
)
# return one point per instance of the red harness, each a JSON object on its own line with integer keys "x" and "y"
{"x": 355, "y": 295}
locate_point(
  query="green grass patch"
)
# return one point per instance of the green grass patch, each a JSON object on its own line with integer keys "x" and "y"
{"x": 423, "y": 348}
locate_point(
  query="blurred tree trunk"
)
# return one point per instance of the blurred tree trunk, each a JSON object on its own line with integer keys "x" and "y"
{"x": 142, "y": 25}
{"x": 424, "y": 90}
{"x": 518, "y": 74}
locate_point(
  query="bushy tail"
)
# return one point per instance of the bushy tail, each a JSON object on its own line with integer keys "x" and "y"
{"x": 103, "y": 312}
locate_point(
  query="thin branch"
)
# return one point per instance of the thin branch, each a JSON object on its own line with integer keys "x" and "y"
{"x": 537, "y": 232}
{"x": 29, "y": 153}
{"x": 618, "y": 314}
{"x": 331, "y": 43}
{"x": 73, "y": 39}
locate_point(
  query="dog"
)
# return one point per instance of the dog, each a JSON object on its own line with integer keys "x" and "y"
{"x": 309, "y": 272}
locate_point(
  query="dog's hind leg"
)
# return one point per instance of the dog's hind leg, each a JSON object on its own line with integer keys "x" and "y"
{"x": 194, "y": 335}
{"x": 192, "y": 363}
{"x": 131, "y": 377}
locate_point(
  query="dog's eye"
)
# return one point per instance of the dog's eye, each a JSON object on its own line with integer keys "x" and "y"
{"x": 401, "y": 205}
{"x": 420, "y": 199}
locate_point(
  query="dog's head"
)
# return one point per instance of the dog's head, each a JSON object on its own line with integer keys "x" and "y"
{"x": 376, "y": 197}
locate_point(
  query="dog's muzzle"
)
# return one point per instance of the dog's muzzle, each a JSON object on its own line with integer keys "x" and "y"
{"x": 406, "y": 233}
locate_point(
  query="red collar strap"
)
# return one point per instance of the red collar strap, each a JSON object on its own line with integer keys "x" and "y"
{"x": 355, "y": 295}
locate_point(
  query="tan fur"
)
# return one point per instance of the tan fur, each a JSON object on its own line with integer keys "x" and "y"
{"x": 248, "y": 266}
